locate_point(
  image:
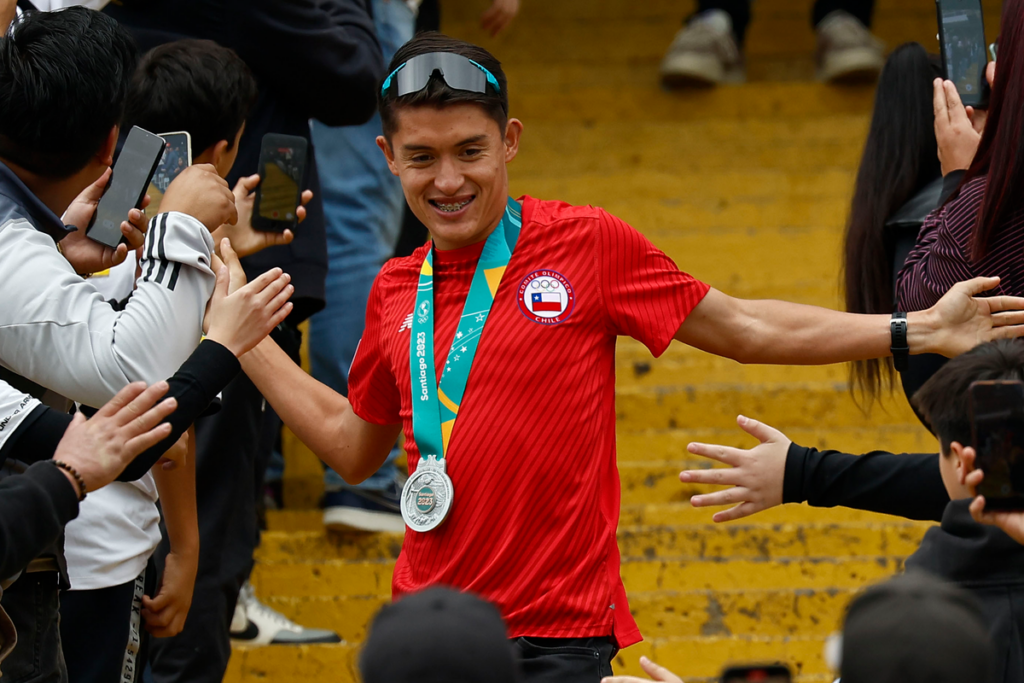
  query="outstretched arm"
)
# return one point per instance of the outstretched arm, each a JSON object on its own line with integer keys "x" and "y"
{"x": 322, "y": 418}
{"x": 784, "y": 333}
{"x": 778, "y": 471}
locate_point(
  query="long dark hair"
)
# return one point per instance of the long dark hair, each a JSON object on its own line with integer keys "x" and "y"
{"x": 1000, "y": 154}
{"x": 900, "y": 157}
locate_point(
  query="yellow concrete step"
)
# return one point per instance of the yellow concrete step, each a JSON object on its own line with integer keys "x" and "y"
{"x": 646, "y": 514}
{"x": 288, "y": 556}
{"x": 783, "y": 405}
{"x": 694, "y": 658}
{"x": 372, "y": 579}
{"x": 659, "y": 614}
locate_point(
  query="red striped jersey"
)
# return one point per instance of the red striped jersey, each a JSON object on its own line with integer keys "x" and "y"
{"x": 532, "y": 455}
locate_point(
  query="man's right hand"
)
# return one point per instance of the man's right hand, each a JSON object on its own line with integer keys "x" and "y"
{"x": 199, "y": 192}
{"x": 239, "y": 319}
{"x": 101, "y": 447}
{"x": 656, "y": 672}
{"x": 1010, "y": 521}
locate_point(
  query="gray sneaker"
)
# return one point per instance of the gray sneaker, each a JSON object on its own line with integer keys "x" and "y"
{"x": 847, "y": 51}
{"x": 704, "y": 52}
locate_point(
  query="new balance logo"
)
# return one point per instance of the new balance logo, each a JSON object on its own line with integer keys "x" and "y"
{"x": 406, "y": 324}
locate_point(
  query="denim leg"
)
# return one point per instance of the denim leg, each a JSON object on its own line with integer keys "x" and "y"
{"x": 33, "y": 603}
{"x": 363, "y": 206}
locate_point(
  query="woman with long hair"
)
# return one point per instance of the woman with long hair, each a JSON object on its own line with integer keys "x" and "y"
{"x": 898, "y": 184}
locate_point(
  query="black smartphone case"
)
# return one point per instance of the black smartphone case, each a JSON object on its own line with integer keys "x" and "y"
{"x": 272, "y": 141}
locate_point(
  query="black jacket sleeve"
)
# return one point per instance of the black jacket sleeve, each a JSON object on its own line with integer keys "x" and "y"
{"x": 34, "y": 507}
{"x": 908, "y": 485}
{"x": 950, "y": 183}
{"x": 322, "y": 57}
{"x": 207, "y": 371}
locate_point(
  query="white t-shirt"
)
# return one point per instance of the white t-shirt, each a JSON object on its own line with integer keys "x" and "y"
{"x": 118, "y": 527}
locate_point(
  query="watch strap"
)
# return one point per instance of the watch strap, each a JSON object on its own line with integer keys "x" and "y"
{"x": 898, "y": 341}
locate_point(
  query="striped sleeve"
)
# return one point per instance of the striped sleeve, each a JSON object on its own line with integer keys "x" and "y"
{"x": 941, "y": 256}
{"x": 645, "y": 295}
{"x": 372, "y": 387}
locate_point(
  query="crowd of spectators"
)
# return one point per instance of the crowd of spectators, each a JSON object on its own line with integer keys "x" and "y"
{"x": 141, "y": 385}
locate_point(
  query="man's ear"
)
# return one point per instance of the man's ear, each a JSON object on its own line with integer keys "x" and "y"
{"x": 965, "y": 459}
{"x": 106, "y": 153}
{"x": 219, "y": 157}
{"x": 389, "y": 153}
{"x": 513, "y": 131}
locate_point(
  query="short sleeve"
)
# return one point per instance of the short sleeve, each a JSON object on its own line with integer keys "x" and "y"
{"x": 372, "y": 388}
{"x": 645, "y": 295}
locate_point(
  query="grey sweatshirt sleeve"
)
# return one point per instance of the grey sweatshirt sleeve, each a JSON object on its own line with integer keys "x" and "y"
{"x": 57, "y": 331}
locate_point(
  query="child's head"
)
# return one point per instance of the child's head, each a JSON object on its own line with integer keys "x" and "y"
{"x": 195, "y": 86}
{"x": 943, "y": 400}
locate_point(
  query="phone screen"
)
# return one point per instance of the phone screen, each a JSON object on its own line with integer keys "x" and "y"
{"x": 282, "y": 168}
{"x": 963, "y": 49}
{"x": 997, "y": 426}
{"x": 176, "y": 157}
{"x": 772, "y": 673}
{"x": 132, "y": 171}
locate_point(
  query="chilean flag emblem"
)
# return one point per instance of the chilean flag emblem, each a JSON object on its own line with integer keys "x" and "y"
{"x": 546, "y": 297}
{"x": 546, "y": 302}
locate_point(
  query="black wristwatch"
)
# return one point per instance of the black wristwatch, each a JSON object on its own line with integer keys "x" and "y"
{"x": 898, "y": 344}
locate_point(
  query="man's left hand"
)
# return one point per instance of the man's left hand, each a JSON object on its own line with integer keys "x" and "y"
{"x": 165, "y": 614}
{"x": 961, "y": 319}
{"x": 88, "y": 256}
{"x": 1010, "y": 521}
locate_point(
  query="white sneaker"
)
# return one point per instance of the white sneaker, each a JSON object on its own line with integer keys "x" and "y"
{"x": 256, "y": 624}
{"x": 847, "y": 51}
{"x": 704, "y": 52}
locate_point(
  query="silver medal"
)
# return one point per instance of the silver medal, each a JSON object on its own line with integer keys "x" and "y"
{"x": 427, "y": 496}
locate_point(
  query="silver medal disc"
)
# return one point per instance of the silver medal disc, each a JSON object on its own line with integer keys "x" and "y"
{"x": 427, "y": 496}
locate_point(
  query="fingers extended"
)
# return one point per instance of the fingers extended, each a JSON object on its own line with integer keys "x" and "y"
{"x": 121, "y": 399}
{"x": 733, "y": 496}
{"x": 723, "y": 454}
{"x": 139, "y": 407}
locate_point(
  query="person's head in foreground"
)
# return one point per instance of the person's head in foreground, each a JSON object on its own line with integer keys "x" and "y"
{"x": 438, "y": 636}
{"x": 943, "y": 400}
{"x": 64, "y": 78}
{"x": 915, "y": 629}
{"x": 448, "y": 136}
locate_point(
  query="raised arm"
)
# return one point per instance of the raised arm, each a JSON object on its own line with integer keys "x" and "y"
{"x": 322, "y": 418}
{"x": 784, "y": 333}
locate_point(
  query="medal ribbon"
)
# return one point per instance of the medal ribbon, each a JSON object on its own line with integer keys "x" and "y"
{"x": 436, "y": 406}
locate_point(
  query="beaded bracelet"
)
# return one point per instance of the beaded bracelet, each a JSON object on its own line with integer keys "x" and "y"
{"x": 60, "y": 464}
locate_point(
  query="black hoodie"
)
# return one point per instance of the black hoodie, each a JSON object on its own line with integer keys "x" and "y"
{"x": 977, "y": 557}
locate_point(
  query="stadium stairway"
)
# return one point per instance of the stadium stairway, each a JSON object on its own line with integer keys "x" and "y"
{"x": 747, "y": 188}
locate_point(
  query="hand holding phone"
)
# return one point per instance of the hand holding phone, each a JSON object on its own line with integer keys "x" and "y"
{"x": 282, "y": 171}
{"x": 201, "y": 193}
{"x": 997, "y": 435}
{"x": 962, "y": 44}
{"x": 133, "y": 170}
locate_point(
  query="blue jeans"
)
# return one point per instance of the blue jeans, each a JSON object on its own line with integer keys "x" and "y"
{"x": 363, "y": 205}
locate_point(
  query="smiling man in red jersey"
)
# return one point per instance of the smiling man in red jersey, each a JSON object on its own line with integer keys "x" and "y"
{"x": 514, "y": 492}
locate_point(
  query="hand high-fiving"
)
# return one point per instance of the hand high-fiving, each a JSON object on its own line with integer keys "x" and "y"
{"x": 239, "y": 318}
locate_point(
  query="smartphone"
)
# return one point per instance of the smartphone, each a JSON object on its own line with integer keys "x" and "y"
{"x": 282, "y": 172}
{"x": 963, "y": 48}
{"x": 997, "y": 434}
{"x": 133, "y": 170}
{"x": 757, "y": 673}
{"x": 177, "y": 156}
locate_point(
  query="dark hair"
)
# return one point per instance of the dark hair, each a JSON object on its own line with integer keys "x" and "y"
{"x": 437, "y": 93}
{"x": 900, "y": 157}
{"x": 192, "y": 85}
{"x": 942, "y": 400}
{"x": 1000, "y": 154}
{"x": 63, "y": 81}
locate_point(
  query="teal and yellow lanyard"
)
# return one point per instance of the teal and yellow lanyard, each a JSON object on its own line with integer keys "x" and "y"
{"x": 435, "y": 407}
